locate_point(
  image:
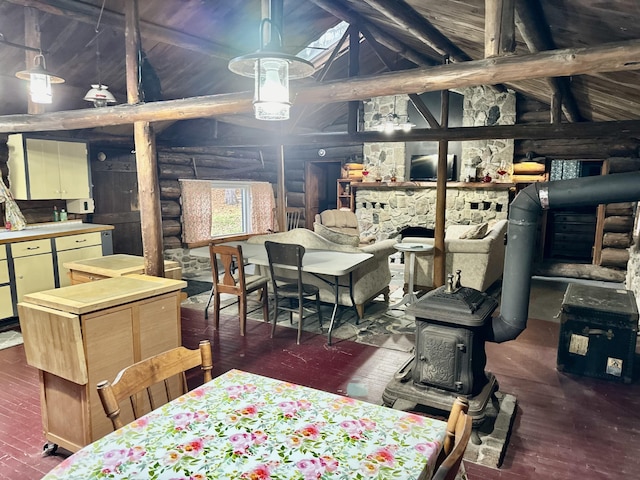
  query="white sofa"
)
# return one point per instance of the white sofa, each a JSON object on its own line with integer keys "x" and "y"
{"x": 369, "y": 281}
{"x": 480, "y": 260}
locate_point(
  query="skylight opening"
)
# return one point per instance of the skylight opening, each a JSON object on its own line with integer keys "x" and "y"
{"x": 326, "y": 40}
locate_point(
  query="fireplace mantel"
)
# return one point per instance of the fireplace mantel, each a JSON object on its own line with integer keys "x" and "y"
{"x": 412, "y": 185}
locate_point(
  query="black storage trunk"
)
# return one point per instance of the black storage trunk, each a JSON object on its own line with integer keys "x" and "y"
{"x": 598, "y": 332}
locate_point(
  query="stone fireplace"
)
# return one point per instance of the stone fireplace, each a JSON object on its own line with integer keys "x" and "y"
{"x": 383, "y": 209}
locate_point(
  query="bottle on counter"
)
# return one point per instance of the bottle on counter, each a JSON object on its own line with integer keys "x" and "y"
{"x": 56, "y": 214}
{"x": 63, "y": 215}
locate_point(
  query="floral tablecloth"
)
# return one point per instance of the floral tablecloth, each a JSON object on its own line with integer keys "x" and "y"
{"x": 245, "y": 426}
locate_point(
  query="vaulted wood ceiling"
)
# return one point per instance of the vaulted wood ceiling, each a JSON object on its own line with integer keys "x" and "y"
{"x": 188, "y": 44}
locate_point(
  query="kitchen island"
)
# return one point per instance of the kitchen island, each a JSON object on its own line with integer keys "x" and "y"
{"x": 79, "y": 335}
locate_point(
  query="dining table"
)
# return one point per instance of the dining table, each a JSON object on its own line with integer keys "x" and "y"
{"x": 246, "y": 426}
{"x": 327, "y": 265}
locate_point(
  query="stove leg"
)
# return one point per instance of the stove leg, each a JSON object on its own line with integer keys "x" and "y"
{"x": 475, "y": 437}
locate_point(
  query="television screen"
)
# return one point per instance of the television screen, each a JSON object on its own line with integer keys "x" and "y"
{"x": 425, "y": 167}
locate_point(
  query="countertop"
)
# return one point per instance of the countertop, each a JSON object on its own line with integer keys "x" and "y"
{"x": 113, "y": 265}
{"x": 93, "y": 296}
{"x": 48, "y": 230}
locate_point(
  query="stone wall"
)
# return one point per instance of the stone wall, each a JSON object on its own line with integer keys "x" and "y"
{"x": 383, "y": 212}
{"x": 485, "y": 106}
{"x": 383, "y": 159}
{"x": 191, "y": 265}
{"x": 633, "y": 266}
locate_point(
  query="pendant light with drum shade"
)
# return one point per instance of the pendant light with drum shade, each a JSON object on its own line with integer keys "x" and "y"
{"x": 272, "y": 69}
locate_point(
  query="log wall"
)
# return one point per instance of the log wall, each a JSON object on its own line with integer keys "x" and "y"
{"x": 615, "y": 221}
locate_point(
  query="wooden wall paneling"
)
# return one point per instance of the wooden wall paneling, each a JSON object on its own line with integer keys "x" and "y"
{"x": 115, "y": 193}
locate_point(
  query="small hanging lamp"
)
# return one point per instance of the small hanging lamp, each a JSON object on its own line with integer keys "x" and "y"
{"x": 98, "y": 94}
{"x": 272, "y": 70}
{"x": 40, "y": 80}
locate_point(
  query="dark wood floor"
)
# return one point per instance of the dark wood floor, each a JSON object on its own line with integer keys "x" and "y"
{"x": 567, "y": 427}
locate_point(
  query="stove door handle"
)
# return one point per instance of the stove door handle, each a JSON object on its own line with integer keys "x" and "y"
{"x": 404, "y": 373}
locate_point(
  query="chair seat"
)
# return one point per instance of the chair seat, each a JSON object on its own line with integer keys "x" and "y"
{"x": 290, "y": 290}
{"x": 254, "y": 282}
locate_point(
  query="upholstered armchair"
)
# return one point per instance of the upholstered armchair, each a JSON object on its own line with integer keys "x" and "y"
{"x": 345, "y": 223}
{"x": 477, "y": 250}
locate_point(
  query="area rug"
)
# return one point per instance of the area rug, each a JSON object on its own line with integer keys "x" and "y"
{"x": 380, "y": 327}
{"x": 10, "y": 338}
{"x": 196, "y": 287}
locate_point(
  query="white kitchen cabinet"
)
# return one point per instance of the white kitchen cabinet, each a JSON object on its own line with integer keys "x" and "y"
{"x": 74, "y": 248}
{"x": 41, "y": 169}
{"x": 6, "y": 306}
{"x": 33, "y": 267}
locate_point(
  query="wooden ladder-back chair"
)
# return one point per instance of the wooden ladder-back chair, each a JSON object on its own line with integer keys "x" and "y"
{"x": 230, "y": 259}
{"x": 152, "y": 382}
{"x": 285, "y": 257}
{"x": 293, "y": 215}
{"x": 459, "y": 426}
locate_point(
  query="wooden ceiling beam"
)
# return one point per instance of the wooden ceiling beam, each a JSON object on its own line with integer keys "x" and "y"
{"x": 406, "y": 17}
{"x": 537, "y": 36}
{"x": 575, "y": 61}
{"x": 628, "y": 130}
{"x": 499, "y": 28}
{"x": 86, "y": 13}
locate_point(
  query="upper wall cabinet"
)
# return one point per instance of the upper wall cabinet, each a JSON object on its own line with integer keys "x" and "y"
{"x": 42, "y": 169}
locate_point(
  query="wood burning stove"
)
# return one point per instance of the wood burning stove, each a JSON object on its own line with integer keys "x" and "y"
{"x": 449, "y": 356}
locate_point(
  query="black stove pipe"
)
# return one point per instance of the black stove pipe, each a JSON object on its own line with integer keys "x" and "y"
{"x": 524, "y": 212}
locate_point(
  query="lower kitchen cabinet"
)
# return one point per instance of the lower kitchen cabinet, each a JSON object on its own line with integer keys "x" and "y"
{"x": 6, "y": 305}
{"x": 79, "y": 335}
{"x": 33, "y": 267}
{"x": 74, "y": 248}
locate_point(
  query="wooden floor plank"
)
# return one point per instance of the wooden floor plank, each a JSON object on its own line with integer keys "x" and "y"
{"x": 566, "y": 426}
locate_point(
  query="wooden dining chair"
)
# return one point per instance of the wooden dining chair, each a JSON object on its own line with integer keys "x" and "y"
{"x": 290, "y": 289}
{"x": 293, "y": 215}
{"x": 152, "y": 382}
{"x": 225, "y": 260}
{"x": 459, "y": 425}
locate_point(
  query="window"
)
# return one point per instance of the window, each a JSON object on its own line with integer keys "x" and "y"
{"x": 230, "y": 208}
{"x": 220, "y": 208}
{"x": 326, "y": 41}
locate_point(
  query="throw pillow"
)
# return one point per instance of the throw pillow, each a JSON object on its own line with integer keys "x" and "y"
{"x": 476, "y": 232}
{"x": 336, "y": 237}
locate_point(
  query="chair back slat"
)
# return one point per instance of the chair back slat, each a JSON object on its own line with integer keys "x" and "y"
{"x": 232, "y": 280}
{"x": 285, "y": 267}
{"x": 459, "y": 427}
{"x": 152, "y": 382}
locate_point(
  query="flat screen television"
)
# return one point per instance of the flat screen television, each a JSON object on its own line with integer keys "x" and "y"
{"x": 424, "y": 168}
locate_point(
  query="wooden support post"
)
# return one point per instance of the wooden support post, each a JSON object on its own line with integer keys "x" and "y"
{"x": 499, "y": 27}
{"x": 354, "y": 70}
{"x": 556, "y": 108}
{"x": 281, "y": 203}
{"x": 146, "y": 159}
{"x": 439, "y": 254}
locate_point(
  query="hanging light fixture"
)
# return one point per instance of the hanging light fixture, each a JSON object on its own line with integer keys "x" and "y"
{"x": 40, "y": 80}
{"x": 98, "y": 94}
{"x": 272, "y": 70}
{"x": 392, "y": 121}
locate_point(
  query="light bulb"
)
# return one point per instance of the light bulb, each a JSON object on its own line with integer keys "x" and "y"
{"x": 271, "y": 100}
{"x": 40, "y": 88}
